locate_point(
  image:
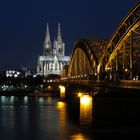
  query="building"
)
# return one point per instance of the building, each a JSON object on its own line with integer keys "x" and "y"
{"x": 53, "y": 58}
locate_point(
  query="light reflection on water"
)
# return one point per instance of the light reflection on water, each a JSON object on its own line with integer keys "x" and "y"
{"x": 37, "y": 118}
{"x": 85, "y": 109}
{"x": 25, "y": 100}
{"x": 78, "y": 136}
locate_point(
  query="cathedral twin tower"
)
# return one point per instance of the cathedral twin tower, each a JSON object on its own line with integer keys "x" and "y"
{"x": 53, "y": 58}
{"x": 58, "y": 46}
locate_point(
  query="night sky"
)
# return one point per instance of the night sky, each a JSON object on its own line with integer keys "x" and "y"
{"x": 23, "y": 25}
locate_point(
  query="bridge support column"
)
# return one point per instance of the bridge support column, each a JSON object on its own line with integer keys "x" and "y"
{"x": 116, "y": 71}
{"x": 124, "y": 57}
{"x": 62, "y": 92}
{"x": 131, "y": 56}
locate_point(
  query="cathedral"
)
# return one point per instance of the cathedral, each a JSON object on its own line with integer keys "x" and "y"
{"x": 53, "y": 58}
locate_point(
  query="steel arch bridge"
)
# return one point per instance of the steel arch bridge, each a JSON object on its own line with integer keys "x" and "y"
{"x": 85, "y": 58}
{"x": 117, "y": 58}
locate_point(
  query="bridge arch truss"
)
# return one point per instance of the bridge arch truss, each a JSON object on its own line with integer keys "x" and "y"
{"x": 117, "y": 58}
{"x": 123, "y": 50}
{"x": 84, "y": 60}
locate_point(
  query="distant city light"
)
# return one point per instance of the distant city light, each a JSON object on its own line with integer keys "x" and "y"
{"x": 12, "y": 73}
{"x": 49, "y": 87}
{"x": 35, "y": 75}
{"x": 126, "y": 70}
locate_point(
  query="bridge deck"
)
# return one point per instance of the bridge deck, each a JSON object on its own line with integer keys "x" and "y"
{"x": 126, "y": 84}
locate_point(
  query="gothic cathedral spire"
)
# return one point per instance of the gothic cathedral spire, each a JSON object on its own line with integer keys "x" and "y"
{"x": 59, "y": 37}
{"x": 60, "y": 45}
{"x": 53, "y": 58}
{"x": 47, "y": 42}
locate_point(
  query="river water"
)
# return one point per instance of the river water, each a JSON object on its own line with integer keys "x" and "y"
{"x": 47, "y": 118}
{"x": 37, "y": 118}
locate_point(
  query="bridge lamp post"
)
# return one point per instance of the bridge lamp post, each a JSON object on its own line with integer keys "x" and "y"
{"x": 125, "y": 73}
{"x": 109, "y": 75}
{"x": 95, "y": 74}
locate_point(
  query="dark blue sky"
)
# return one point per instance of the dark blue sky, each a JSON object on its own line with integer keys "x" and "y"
{"x": 23, "y": 25}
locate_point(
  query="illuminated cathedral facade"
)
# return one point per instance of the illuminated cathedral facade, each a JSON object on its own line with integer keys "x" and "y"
{"x": 53, "y": 58}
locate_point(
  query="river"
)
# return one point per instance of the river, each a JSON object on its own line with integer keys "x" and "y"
{"x": 47, "y": 118}
{"x": 37, "y": 118}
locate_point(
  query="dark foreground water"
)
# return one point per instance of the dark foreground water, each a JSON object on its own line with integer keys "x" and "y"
{"x": 46, "y": 118}
{"x": 40, "y": 118}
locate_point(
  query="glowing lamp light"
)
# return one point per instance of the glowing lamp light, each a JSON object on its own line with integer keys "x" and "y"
{"x": 60, "y": 105}
{"x": 85, "y": 109}
{"x": 62, "y": 92}
{"x": 126, "y": 70}
{"x": 78, "y": 137}
{"x": 15, "y": 75}
{"x": 85, "y": 99}
{"x": 7, "y": 75}
{"x": 62, "y": 89}
{"x": 18, "y": 73}
{"x": 34, "y": 75}
{"x": 49, "y": 87}
{"x": 79, "y": 94}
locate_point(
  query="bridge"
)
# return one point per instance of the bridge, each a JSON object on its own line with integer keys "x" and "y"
{"x": 115, "y": 61}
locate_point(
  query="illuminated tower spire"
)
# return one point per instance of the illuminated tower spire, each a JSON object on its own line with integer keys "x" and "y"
{"x": 59, "y": 37}
{"x": 59, "y": 44}
{"x": 47, "y": 42}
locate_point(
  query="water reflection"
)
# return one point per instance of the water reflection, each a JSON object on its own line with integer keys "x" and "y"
{"x": 37, "y": 118}
{"x": 25, "y": 100}
{"x": 7, "y": 100}
{"x": 49, "y": 100}
{"x": 12, "y": 98}
{"x": 3, "y": 99}
{"x": 60, "y": 105}
{"x": 41, "y": 100}
{"x": 78, "y": 136}
{"x": 85, "y": 109}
